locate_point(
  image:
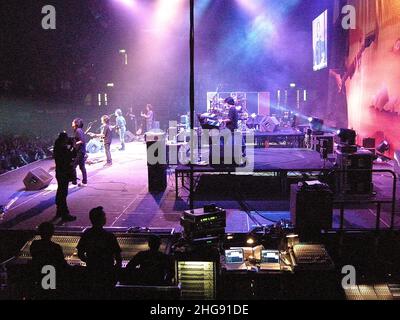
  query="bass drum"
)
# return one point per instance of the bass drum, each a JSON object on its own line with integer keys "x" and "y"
{"x": 93, "y": 146}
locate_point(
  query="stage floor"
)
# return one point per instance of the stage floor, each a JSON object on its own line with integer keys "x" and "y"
{"x": 122, "y": 191}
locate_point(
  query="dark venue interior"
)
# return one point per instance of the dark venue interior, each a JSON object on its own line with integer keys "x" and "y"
{"x": 199, "y": 150}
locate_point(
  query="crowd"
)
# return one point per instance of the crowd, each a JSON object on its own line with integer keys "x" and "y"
{"x": 17, "y": 151}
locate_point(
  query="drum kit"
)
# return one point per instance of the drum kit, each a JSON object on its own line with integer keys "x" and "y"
{"x": 218, "y": 111}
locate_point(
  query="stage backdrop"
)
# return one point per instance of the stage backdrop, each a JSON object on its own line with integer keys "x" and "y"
{"x": 373, "y": 71}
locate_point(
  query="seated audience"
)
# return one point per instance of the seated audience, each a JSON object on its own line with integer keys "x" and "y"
{"x": 150, "y": 267}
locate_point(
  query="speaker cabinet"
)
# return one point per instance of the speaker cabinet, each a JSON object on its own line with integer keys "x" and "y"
{"x": 351, "y": 182}
{"x": 311, "y": 210}
{"x": 129, "y": 136}
{"x": 157, "y": 178}
{"x": 269, "y": 124}
{"x": 156, "y": 172}
{"x": 37, "y": 179}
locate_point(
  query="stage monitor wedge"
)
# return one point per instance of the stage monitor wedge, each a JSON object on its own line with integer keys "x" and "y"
{"x": 37, "y": 179}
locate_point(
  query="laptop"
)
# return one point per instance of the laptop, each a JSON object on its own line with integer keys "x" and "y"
{"x": 234, "y": 259}
{"x": 270, "y": 260}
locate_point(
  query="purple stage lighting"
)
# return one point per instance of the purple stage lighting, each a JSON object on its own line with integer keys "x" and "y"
{"x": 128, "y": 3}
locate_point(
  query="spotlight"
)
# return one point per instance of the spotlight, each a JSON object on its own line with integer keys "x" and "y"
{"x": 347, "y": 136}
{"x": 383, "y": 147}
{"x": 250, "y": 241}
{"x": 293, "y": 85}
{"x": 254, "y": 116}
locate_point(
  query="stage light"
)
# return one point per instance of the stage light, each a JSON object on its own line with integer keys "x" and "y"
{"x": 347, "y": 136}
{"x": 122, "y": 51}
{"x": 254, "y": 115}
{"x": 383, "y": 147}
{"x": 110, "y": 85}
{"x": 229, "y": 237}
{"x": 251, "y": 7}
{"x": 201, "y": 7}
{"x": 293, "y": 85}
{"x": 166, "y": 13}
{"x": 250, "y": 241}
{"x": 128, "y": 3}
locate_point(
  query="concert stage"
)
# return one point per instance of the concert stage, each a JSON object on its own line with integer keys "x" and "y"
{"x": 122, "y": 191}
{"x": 277, "y": 162}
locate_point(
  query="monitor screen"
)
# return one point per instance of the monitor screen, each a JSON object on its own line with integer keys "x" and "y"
{"x": 270, "y": 256}
{"x": 234, "y": 256}
{"x": 320, "y": 41}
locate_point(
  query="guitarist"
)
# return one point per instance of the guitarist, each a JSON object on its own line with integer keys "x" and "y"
{"x": 106, "y": 136}
{"x": 80, "y": 148}
{"x": 120, "y": 127}
{"x": 149, "y": 117}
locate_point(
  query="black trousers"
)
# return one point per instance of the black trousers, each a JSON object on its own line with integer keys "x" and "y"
{"x": 107, "y": 150}
{"x": 80, "y": 161}
{"x": 61, "y": 195}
